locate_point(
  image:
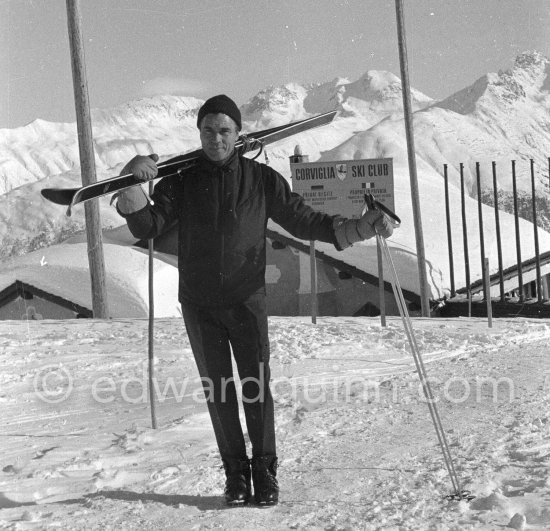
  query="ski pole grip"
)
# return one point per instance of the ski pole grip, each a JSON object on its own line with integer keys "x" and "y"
{"x": 373, "y": 204}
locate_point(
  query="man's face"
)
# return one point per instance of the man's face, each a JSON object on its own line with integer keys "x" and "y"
{"x": 218, "y": 136}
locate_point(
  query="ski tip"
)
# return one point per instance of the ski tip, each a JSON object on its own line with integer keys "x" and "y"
{"x": 59, "y": 196}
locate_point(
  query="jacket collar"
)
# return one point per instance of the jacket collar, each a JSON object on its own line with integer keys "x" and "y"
{"x": 230, "y": 163}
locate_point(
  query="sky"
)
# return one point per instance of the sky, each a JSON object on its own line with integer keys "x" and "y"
{"x": 137, "y": 48}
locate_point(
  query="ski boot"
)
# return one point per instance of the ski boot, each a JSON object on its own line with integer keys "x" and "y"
{"x": 264, "y": 476}
{"x": 237, "y": 484}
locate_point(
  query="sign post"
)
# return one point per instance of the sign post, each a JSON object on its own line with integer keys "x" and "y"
{"x": 339, "y": 187}
{"x": 381, "y": 294}
{"x": 313, "y": 280}
{"x": 297, "y": 158}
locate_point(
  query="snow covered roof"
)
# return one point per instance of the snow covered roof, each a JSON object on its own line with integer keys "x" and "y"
{"x": 63, "y": 270}
{"x": 23, "y": 289}
{"x": 351, "y": 260}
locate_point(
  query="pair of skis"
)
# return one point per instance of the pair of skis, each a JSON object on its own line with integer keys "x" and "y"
{"x": 177, "y": 165}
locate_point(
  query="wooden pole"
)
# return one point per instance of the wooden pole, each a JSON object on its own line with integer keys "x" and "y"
{"x": 415, "y": 198}
{"x": 536, "y": 232}
{"x": 313, "y": 281}
{"x": 481, "y": 236}
{"x": 487, "y": 286}
{"x": 465, "y": 240}
{"x": 381, "y": 290}
{"x": 497, "y": 225}
{"x": 449, "y": 234}
{"x": 87, "y": 162}
{"x": 298, "y": 158}
{"x": 518, "y": 235}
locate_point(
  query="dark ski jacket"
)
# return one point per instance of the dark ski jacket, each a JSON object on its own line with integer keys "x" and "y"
{"x": 222, "y": 214}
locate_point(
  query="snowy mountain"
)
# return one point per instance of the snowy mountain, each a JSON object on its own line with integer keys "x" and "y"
{"x": 43, "y": 149}
{"x": 370, "y": 98}
{"x": 500, "y": 117}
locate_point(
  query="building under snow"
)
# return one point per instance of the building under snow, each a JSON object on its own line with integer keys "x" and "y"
{"x": 54, "y": 282}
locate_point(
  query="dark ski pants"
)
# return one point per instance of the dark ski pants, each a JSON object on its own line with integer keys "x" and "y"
{"x": 213, "y": 334}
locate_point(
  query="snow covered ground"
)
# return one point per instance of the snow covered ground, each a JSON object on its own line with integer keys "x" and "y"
{"x": 355, "y": 440}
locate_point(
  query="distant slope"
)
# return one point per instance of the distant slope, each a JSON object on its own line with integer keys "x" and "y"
{"x": 44, "y": 149}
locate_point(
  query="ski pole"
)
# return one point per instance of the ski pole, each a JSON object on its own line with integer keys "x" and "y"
{"x": 458, "y": 493}
{"x": 151, "y": 352}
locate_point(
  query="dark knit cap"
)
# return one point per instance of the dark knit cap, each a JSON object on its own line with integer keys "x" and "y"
{"x": 220, "y": 104}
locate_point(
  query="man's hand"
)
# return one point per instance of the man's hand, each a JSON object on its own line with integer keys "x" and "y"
{"x": 134, "y": 199}
{"x": 372, "y": 222}
{"x": 142, "y": 167}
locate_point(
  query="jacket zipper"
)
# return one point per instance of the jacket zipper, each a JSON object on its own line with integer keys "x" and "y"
{"x": 221, "y": 227}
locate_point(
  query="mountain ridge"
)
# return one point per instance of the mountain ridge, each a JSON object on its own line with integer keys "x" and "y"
{"x": 373, "y": 96}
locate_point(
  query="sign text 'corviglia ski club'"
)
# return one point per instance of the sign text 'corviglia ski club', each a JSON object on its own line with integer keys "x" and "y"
{"x": 338, "y": 187}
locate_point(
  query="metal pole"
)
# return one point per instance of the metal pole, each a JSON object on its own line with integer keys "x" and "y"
{"x": 415, "y": 198}
{"x": 381, "y": 290}
{"x": 151, "y": 351}
{"x": 481, "y": 238}
{"x": 465, "y": 240}
{"x": 536, "y": 233}
{"x": 518, "y": 240}
{"x": 449, "y": 234}
{"x": 313, "y": 281}
{"x": 488, "y": 291}
{"x": 431, "y": 401}
{"x": 87, "y": 162}
{"x": 499, "y": 242}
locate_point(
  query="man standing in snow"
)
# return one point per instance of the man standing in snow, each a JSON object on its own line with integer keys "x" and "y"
{"x": 222, "y": 206}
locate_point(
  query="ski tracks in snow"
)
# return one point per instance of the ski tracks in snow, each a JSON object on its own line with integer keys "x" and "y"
{"x": 356, "y": 444}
